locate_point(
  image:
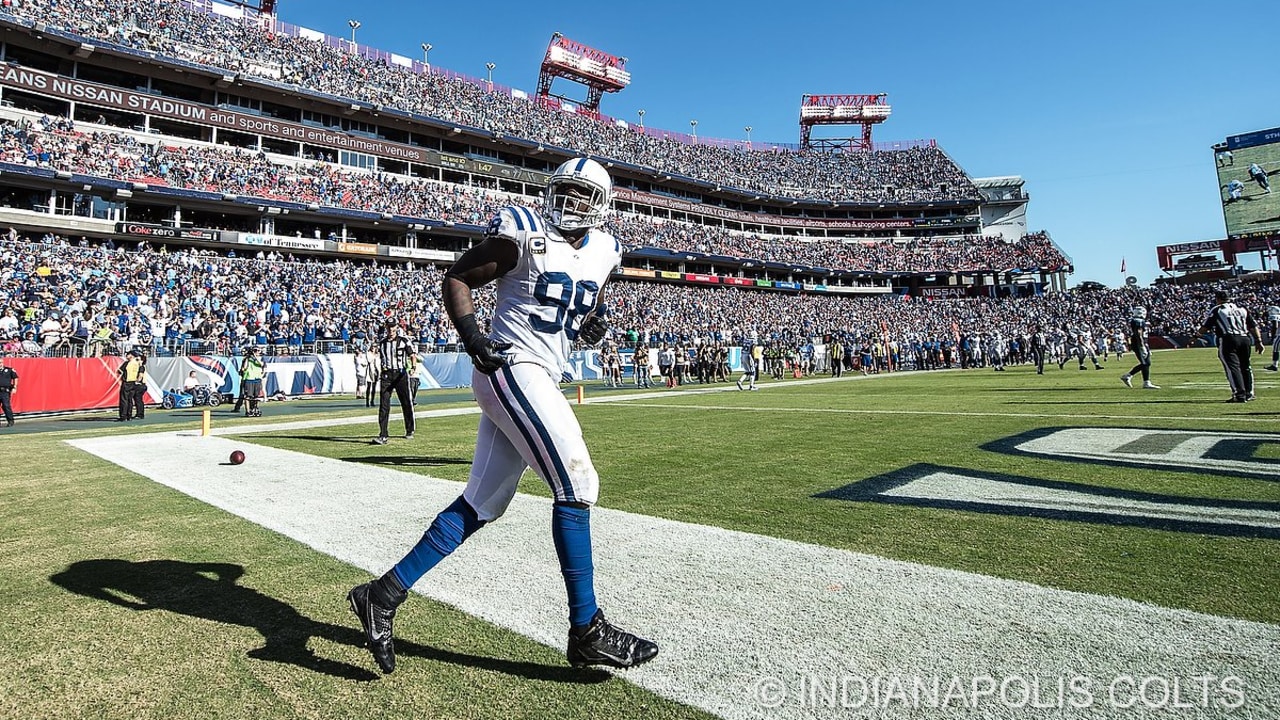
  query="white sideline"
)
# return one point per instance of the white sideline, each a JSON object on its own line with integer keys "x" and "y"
{"x": 729, "y": 609}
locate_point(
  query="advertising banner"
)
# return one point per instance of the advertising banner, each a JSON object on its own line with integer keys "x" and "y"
{"x": 52, "y": 384}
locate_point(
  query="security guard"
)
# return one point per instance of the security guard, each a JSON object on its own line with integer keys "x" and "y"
{"x": 131, "y": 375}
{"x": 8, "y": 386}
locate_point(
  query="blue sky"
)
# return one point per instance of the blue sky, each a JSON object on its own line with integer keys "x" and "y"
{"x": 1106, "y": 109}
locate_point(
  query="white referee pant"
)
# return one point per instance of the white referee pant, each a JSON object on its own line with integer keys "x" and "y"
{"x": 526, "y": 422}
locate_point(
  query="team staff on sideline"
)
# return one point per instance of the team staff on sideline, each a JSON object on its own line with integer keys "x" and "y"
{"x": 373, "y": 373}
{"x": 251, "y": 371}
{"x": 133, "y": 384}
{"x": 1273, "y": 327}
{"x": 395, "y": 356}
{"x": 8, "y": 386}
{"x": 1234, "y": 326}
{"x": 549, "y": 267}
{"x": 1141, "y": 350}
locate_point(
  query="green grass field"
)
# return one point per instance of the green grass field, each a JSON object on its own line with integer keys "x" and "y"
{"x": 227, "y": 619}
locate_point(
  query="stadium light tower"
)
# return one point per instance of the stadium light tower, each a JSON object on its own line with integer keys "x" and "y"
{"x": 694, "y": 124}
{"x": 748, "y": 130}
{"x": 426, "y": 48}
{"x": 640, "y": 112}
{"x": 355, "y": 25}
{"x": 569, "y": 60}
{"x": 864, "y": 110}
{"x": 489, "y": 67}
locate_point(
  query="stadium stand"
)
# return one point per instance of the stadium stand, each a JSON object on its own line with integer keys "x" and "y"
{"x": 64, "y": 298}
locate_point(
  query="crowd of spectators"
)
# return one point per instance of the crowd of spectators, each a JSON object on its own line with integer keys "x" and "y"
{"x": 63, "y": 297}
{"x": 188, "y": 30}
{"x": 56, "y": 143}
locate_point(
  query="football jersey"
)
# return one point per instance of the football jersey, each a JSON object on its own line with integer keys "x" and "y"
{"x": 1137, "y": 332}
{"x": 543, "y": 299}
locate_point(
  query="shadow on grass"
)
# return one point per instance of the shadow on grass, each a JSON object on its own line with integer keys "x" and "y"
{"x": 364, "y": 440}
{"x": 209, "y": 591}
{"x": 408, "y": 460}
{"x": 1146, "y": 400}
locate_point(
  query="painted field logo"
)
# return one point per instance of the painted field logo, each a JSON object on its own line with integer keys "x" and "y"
{"x": 1254, "y": 455}
{"x": 949, "y": 488}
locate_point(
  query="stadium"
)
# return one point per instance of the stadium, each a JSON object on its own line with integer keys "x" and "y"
{"x": 933, "y": 507}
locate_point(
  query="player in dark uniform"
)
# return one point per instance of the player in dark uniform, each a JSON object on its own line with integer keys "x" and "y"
{"x": 1273, "y": 327}
{"x": 1141, "y": 350}
{"x": 1039, "y": 346}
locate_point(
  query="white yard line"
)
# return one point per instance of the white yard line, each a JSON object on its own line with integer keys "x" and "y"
{"x": 864, "y": 411}
{"x": 742, "y": 617}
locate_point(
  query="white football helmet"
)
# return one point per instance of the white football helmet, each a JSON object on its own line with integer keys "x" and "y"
{"x": 1273, "y": 312}
{"x": 578, "y": 195}
{"x": 1139, "y": 312}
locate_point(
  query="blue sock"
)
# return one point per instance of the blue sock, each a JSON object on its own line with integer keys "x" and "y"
{"x": 571, "y": 530}
{"x": 453, "y": 525}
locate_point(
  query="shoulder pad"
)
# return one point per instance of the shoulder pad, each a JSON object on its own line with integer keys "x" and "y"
{"x": 516, "y": 223}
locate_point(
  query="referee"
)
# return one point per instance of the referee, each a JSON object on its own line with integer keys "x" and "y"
{"x": 1233, "y": 327}
{"x": 395, "y": 357}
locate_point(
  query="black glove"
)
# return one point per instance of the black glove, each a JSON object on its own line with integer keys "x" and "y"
{"x": 593, "y": 329}
{"x": 488, "y": 355}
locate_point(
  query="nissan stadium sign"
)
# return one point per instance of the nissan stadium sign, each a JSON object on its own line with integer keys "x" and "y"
{"x": 116, "y": 98}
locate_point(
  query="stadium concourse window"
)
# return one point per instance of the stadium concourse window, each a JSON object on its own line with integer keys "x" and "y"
{"x": 36, "y": 103}
{"x": 424, "y": 171}
{"x": 27, "y": 57}
{"x": 219, "y": 221}
{"x": 151, "y": 214}
{"x": 236, "y": 139}
{"x": 364, "y": 129}
{"x": 281, "y": 112}
{"x": 393, "y": 135}
{"x": 107, "y": 116}
{"x": 393, "y": 166}
{"x": 315, "y": 152}
{"x": 180, "y": 129}
{"x": 359, "y": 160}
{"x": 238, "y": 102}
{"x": 114, "y": 78}
{"x": 24, "y": 199}
{"x": 281, "y": 147}
{"x": 424, "y": 141}
{"x": 321, "y": 120}
{"x": 181, "y": 91}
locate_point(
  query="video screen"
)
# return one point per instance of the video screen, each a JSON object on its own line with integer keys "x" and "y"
{"x": 1249, "y": 182}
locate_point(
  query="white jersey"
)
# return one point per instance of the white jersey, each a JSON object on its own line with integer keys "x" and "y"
{"x": 542, "y": 300}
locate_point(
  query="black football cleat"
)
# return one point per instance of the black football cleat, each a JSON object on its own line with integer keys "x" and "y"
{"x": 601, "y": 643}
{"x": 376, "y": 620}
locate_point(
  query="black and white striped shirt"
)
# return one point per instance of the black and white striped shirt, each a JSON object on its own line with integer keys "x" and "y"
{"x": 394, "y": 352}
{"x": 1229, "y": 319}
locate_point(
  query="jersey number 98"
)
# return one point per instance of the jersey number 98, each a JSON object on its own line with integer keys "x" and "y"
{"x": 569, "y": 299}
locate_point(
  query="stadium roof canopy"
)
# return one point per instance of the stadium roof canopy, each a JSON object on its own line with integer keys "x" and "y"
{"x": 1001, "y": 181}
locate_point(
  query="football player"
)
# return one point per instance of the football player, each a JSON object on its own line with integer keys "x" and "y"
{"x": 1273, "y": 327}
{"x": 550, "y": 265}
{"x": 1141, "y": 350}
